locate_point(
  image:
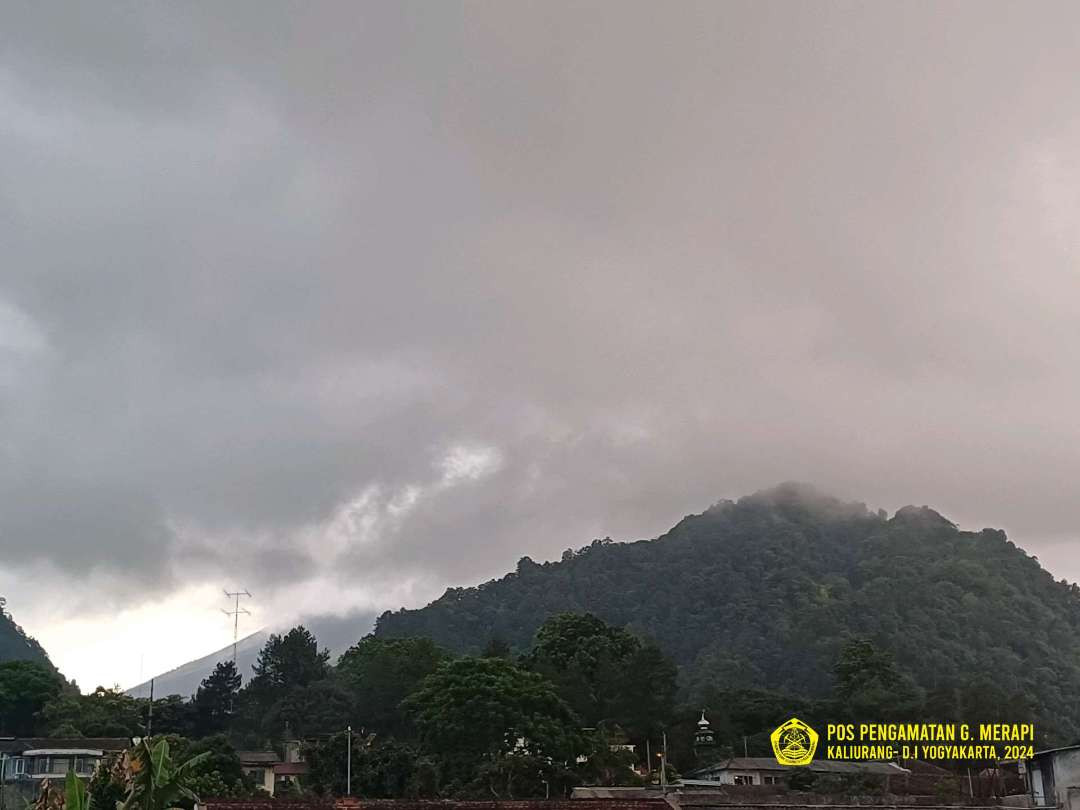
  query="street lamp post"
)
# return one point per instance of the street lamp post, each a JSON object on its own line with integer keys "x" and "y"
{"x": 348, "y": 762}
{"x": 663, "y": 771}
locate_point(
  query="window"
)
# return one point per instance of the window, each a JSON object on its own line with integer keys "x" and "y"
{"x": 772, "y": 780}
{"x": 18, "y": 766}
{"x": 744, "y": 779}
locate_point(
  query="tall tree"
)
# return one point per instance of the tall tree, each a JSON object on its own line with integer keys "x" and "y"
{"x": 605, "y": 673}
{"x": 381, "y": 768}
{"x": 381, "y": 673}
{"x": 215, "y": 700}
{"x": 288, "y": 667}
{"x": 322, "y": 707}
{"x": 288, "y": 661}
{"x": 172, "y": 715}
{"x": 869, "y": 685}
{"x": 479, "y": 714}
{"x": 102, "y": 713}
{"x": 218, "y": 772}
{"x": 25, "y": 688}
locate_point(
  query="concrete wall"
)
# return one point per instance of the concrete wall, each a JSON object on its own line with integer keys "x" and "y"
{"x": 1060, "y": 771}
{"x": 267, "y": 782}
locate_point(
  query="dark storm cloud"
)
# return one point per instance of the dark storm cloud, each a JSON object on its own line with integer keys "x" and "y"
{"x": 391, "y": 292}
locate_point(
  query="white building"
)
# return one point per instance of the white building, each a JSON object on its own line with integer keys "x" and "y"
{"x": 1054, "y": 777}
{"x": 36, "y": 758}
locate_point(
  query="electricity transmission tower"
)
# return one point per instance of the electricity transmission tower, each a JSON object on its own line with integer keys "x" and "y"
{"x": 235, "y": 613}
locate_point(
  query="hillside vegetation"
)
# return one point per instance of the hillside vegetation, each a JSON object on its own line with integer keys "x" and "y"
{"x": 767, "y": 590}
{"x": 15, "y": 645}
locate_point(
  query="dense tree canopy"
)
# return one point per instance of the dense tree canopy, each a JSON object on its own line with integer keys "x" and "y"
{"x": 289, "y": 661}
{"x": 474, "y": 708}
{"x": 215, "y": 701}
{"x": 381, "y": 768}
{"x": 783, "y": 604}
{"x": 321, "y": 707}
{"x": 381, "y": 672}
{"x": 486, "y": 726}
{"x": 870, "y": 686}
{"x": 15, "y": 645}
{"x": 289, "y": 671}
{"x": 604, "y": 673}
{"x": 102, "y": 713}
{"x": 493, "y": 723}
{"x": 25, "y": 688}
{"x": 218, "y": 772}
{"x": 766, "y": 592}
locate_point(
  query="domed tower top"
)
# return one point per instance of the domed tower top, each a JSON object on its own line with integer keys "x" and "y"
{"x": 704, "y": 737}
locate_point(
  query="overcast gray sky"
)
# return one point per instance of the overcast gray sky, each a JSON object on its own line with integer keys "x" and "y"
{"x": 345, "y": 303}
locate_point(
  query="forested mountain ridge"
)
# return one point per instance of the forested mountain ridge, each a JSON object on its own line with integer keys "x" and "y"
{"x": 765, "y": 591}
{"x": 15, "y": 645}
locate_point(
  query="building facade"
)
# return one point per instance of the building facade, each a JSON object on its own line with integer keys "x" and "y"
{"x": 272, "y": 772}
{"x": 1054, "y": 777}
{"x": 26, "y": 761}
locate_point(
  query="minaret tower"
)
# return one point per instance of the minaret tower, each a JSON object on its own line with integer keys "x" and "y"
{"x": 704, "y": 738}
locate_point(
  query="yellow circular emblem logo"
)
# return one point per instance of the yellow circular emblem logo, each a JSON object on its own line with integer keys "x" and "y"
{"x": 794, "y": 743}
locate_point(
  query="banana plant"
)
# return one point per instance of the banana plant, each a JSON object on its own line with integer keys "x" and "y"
{"x": 75, "y": 795}
{"x": 156, "y": 782}
{"x": 49, "y": 798}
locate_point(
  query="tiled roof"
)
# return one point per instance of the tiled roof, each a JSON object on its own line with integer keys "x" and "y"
{"x": 260, "y": 757}
{"x": 290, "y": 768}
{"x": 818, "y": 766}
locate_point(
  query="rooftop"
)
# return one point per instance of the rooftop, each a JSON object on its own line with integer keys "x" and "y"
{"x": 1056, "y": 750}
{"x": 17, "y": 745}
{"x": 820, "y": 766}
{"x": 257, "y": 757}
{"x": 290, "y": 768}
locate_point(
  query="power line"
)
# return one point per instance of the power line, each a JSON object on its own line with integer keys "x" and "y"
{"x": 235, "y": 613}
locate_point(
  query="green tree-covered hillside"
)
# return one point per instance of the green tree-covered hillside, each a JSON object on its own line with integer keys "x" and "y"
{"x": 766, "y": 591}
{"x": 15, "y": 645}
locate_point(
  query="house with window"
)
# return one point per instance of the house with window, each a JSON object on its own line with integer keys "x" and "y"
{"x": 271, "y": 772}
{"x": 259, "y": 765}
{"x": 25, "y": 761}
